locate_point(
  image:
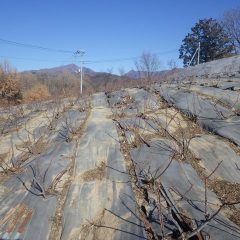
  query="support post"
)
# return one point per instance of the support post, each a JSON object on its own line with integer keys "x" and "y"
{"x": 199, "y": 47}
{"x": 81, "y": 53}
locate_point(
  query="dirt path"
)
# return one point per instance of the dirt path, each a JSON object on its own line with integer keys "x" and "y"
{"x": 100, "y": 203}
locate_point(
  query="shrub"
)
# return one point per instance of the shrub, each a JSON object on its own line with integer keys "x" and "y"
{"x": 9, "y": 88}
{"x": 38, "y": 92}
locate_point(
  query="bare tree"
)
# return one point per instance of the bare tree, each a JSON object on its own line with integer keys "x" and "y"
{"x": 121, "y": 71}
{"x": 231, "y": 24}
{"x": 110, "y": 70}
{"x": 172, "y": 64}
{"x": 148, "y": 66}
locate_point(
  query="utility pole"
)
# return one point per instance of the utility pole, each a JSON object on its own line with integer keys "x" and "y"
{"x": 81, "y": 53}
{"x": 199, "y": 47}
{"x": 197, "y": 51}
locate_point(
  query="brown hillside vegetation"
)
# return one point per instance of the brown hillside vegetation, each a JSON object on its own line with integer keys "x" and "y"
{"x": 37, "y": 93}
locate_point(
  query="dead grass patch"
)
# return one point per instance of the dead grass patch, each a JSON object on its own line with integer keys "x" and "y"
{"x": 95, "y": 174}
{"x": 227, "y": 192}
{"x": 104, "y": 224}
{"x": 38, "y": 92}
{"x": 31, "y": 149}
{"x": 3, "y": 156}
{"x": 2, "y": 120}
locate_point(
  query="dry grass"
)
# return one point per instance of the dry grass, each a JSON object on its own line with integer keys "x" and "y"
{"x": 30, "y": 149}
{"x": 38, "y": 92}
{"x": 228, "y": 192}
{"x": 97, "y": 173}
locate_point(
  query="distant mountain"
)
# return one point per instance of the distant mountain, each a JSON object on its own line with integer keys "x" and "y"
{"x": 72, "y": 68}
{"x": 51, "y": 76}
{"x": 132, "y": 74}
{"x": 96, "y": 80}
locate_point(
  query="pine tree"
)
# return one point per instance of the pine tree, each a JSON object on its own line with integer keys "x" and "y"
{"x": 215, "y": 43}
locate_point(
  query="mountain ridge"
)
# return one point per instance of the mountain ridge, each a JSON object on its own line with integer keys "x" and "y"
{"x": 73, "y": 68}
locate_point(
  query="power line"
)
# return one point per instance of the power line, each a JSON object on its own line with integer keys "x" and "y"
{"x": 35, "y": 60}
{"x": 87, "y": 62}
{"x": 127, "y": 58}
{"x": 36, "y": 47}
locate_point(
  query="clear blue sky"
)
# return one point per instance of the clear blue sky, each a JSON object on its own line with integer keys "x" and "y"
{"x": 106, "y": 29}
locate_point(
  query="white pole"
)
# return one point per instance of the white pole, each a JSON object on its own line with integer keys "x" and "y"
{"x": 81, "y": 73}
{"x": 193, "y": 57}
{"x": 81, "y": 53}
{"x": 199, "y": 46}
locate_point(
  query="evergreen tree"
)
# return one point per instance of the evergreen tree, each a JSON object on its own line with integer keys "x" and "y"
{"x": 215, "y": 43}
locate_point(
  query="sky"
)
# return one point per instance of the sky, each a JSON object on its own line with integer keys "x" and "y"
{"x": 113, "y": 33}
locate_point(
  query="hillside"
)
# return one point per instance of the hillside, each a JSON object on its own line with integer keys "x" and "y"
{"x": 68, "y": 77}
{"x": 160, "y": 161}
{"x": 71, "y": 68}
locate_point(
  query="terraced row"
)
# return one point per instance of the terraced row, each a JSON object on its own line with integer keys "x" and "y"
{"x": 170, "y": 151}
{"x": 36, "y": 161}
{"x": 132, "y": 164}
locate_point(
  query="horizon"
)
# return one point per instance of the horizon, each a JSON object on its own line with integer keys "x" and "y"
{"x": 112, "y": 34}
{"x": 84, "y": 67}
